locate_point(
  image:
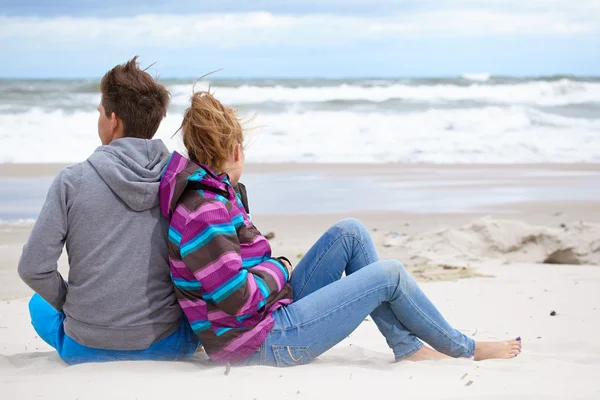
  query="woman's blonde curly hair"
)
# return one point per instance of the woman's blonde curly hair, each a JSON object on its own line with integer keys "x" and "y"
{"x": 210, "y": 131}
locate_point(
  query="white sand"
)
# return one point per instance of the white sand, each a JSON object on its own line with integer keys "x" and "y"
{"x": 501, "y": 240}
{"x": 511, "y": 295}
{"x": 561, "y": 357}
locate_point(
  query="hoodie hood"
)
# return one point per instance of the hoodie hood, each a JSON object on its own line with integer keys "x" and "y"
{"x": 132, "y": 168}
{"x": 182, "y": 174}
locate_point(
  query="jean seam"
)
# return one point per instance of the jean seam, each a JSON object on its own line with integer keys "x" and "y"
{"x": 262, "y": 359}
{"x": 471, "y": 351}
{"x": 362, "y": 247}
{"x": 277, "y": 355}
{"x": 288, "y": 329}
{"x": 318, "y": 264}
{"x": 417, "y": 346}
{"x": 336, "y": 309}
{"x": 412, "y": 337}
{"x": 327, "y": 252}
{"x": 442, "y": 331}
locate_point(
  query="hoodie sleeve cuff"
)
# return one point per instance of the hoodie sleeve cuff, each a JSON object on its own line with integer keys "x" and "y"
{"x": 286, "y": 259}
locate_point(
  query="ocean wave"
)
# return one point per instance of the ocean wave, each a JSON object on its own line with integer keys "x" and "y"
{"x": 495, "y": 134}
{"x": 479, "y": 77}
{"x": 542, "y": 93}
{"x": 277, "y": 95}
{"x": 475, "y": 118}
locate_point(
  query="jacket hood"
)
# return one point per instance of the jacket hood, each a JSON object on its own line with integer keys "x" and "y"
{"x": 182, "y": 174}
{"x": 132, "y": 168}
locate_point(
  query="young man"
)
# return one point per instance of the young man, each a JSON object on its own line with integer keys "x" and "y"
{"x": 118, "y": 303}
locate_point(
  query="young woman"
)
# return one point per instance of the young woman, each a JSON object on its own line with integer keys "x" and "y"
{"x": 246, "y": 306}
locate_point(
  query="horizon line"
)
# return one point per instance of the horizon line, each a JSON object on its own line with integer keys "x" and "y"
{"x": 315, "y": 77}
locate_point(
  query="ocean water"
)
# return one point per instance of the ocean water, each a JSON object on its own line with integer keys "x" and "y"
{"x": 471, "y": 119}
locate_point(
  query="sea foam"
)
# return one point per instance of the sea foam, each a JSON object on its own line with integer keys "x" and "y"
{"x": 461, "y": 120}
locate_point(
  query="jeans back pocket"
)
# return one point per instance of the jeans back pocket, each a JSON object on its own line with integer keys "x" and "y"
{"x": 289, "y": 356}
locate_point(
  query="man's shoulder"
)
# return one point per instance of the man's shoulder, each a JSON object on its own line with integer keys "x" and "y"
{"x": 68, "y": 180}
{"x": 72, "y": 173}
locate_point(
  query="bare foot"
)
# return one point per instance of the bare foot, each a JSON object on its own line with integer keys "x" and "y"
{"x": 505, "y": 349}
{"x": 426, "y": 354}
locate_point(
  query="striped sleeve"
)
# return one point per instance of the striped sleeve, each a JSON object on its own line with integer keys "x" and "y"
{"x": 273, "y": 274}
{"x": 210, "y": 249}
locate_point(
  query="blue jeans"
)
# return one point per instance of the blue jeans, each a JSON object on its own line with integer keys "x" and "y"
{"x": 327, "y": 309}
{"x": 48, "y": 323}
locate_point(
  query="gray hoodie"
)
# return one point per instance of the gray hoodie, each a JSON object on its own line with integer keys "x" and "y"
{"x": 105, "y": 211}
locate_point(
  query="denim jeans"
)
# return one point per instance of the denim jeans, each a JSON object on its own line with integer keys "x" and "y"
{"x": 327, "y": 309}
{"x": 48, "y": 323}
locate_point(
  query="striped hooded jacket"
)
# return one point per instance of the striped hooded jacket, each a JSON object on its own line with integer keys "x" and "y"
{"x": 225, "y": 279}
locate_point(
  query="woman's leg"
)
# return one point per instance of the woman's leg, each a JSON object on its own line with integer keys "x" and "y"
{"x": 344, "y": 247}
{"x": 347, "y": 247}
{"x": 319, "y": 321}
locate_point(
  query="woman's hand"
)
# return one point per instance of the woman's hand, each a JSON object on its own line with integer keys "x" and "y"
{"x": 287, "y": 265}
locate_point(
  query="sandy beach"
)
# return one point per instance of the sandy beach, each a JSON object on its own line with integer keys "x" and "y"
{"x": 483, "y": 241}
{"x": 464, "y": 135}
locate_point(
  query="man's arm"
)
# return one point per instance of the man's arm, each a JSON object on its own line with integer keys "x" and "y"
{"x": 38, "y": 265}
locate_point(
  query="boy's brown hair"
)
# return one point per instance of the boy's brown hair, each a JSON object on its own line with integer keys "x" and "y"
{"x": 136, "y": 98}
{"x": 210, "y": 131}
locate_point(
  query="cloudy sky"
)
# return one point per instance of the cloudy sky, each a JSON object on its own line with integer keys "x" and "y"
{"x": 301, "y": 38}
